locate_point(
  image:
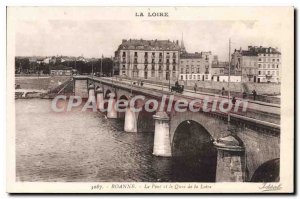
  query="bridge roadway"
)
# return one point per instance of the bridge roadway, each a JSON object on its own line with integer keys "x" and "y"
{"x": 255, "y": 105}
{"x": 261, "y": 113}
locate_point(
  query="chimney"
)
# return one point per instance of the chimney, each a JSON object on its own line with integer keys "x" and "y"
{"x": 177, "y": 42}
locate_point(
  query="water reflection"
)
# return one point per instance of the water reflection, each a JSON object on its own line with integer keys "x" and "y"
{"x": 86, "y": 146}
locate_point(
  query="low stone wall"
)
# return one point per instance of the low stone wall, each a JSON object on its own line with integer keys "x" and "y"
{"x": 261, "y": 88}
{"x": 266, "y": 92}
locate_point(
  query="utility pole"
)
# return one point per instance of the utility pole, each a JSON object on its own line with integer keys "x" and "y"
{"x": 228, "y": 119}
{"x": 101, "y": 66}
{"x": 92, "y": 70}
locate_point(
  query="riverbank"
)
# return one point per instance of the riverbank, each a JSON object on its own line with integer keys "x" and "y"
{"x": 40, "y": 87}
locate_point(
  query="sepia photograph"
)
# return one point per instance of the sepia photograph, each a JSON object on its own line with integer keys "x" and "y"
{"x": 150, "y": 100}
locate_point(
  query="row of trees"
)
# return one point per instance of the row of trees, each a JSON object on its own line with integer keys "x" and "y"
{"x": 23, "y": 65}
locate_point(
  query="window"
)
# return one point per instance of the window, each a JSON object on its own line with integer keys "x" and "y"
{"x": 153, "y": 53}
{"x": 135, "y": 53}
{"x": 146, "y": 54}
{"x": 181, "y": 70}
{"x": 259, "y": 59}
{"x": 268, "y": 72}
{"x": 146, "y": 67}
{"x": 198, "y": 70}
{"x": 277, "y": 59}
{"x": 123, "y": 66}
{"x": 277, "y": 65}
{"x": 273, "y": 60}
{"x": 259, "y": 72}
{"x": 124, "y": 54}
{"x": 264, "y": 65}
{"x": 268, "y": 65}
{"x": 259, "y": 65}
{"x": 273, "y": 65}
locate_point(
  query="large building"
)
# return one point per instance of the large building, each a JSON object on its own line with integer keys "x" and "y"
{"x": 269, "y": 63}
{"x": 148, "y": 59}
{"x": 195, "y": 66}
{"x": 257, "y": 64}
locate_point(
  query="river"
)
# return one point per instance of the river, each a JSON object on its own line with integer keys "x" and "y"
{"x": 86, "y": 147}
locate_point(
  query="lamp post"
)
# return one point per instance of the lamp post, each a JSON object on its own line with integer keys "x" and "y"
{"x": 228, "y": 119}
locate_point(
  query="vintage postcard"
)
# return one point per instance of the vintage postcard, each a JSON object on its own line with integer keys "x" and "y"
{"x": 150, "y": 99}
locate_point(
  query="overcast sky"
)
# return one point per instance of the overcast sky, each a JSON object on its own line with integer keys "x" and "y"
{"x": 92, "y": 38}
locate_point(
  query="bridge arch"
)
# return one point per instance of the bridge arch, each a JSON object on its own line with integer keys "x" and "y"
{"x": 121, "y": 114}
{"x": 145, "y": 121}
{"x": 194, "y": 154}
{"x": 267, "y": 172}
{"x": 106, "y": 94}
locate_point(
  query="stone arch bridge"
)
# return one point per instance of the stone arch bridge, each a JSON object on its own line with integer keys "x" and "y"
{"x": 248, "y": 152}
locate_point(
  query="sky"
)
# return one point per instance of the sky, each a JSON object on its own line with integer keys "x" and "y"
{"x": 92, "y": 38}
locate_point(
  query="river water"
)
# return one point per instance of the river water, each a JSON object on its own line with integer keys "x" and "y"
{"x": 86, "y": 147}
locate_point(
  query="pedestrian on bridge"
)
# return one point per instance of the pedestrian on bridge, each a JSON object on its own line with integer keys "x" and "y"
{"x": 254, "y": 94}
{"x": 244, "y": 94}
{"x": 223, "y": 91}
{"x": 233, "y": 100}
{"x": 195, "y": 87}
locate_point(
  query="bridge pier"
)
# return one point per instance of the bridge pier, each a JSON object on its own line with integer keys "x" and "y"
{"x": 91, "y": 91}
{"x": 162, "y": 144}
{"x": 111, "y": 109}
{"x": 99, "y": 98}
{"x": 230, "y": 160}
{"x": 130, "y": 124}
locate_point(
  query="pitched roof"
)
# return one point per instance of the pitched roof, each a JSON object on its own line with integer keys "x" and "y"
{"x": 191, "y": 56}
{"x": 140, "y": 44}
{"x": 255, "y": 50}
{"x": 60, "y": 67}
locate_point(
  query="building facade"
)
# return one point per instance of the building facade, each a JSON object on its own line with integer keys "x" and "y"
{"x": 148, "y": 59}
{"x": 269, "y": 64}
{"x": 61, "y": 71}
{"x": 257, "y": 64}
{"x": 195, "y": 66}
